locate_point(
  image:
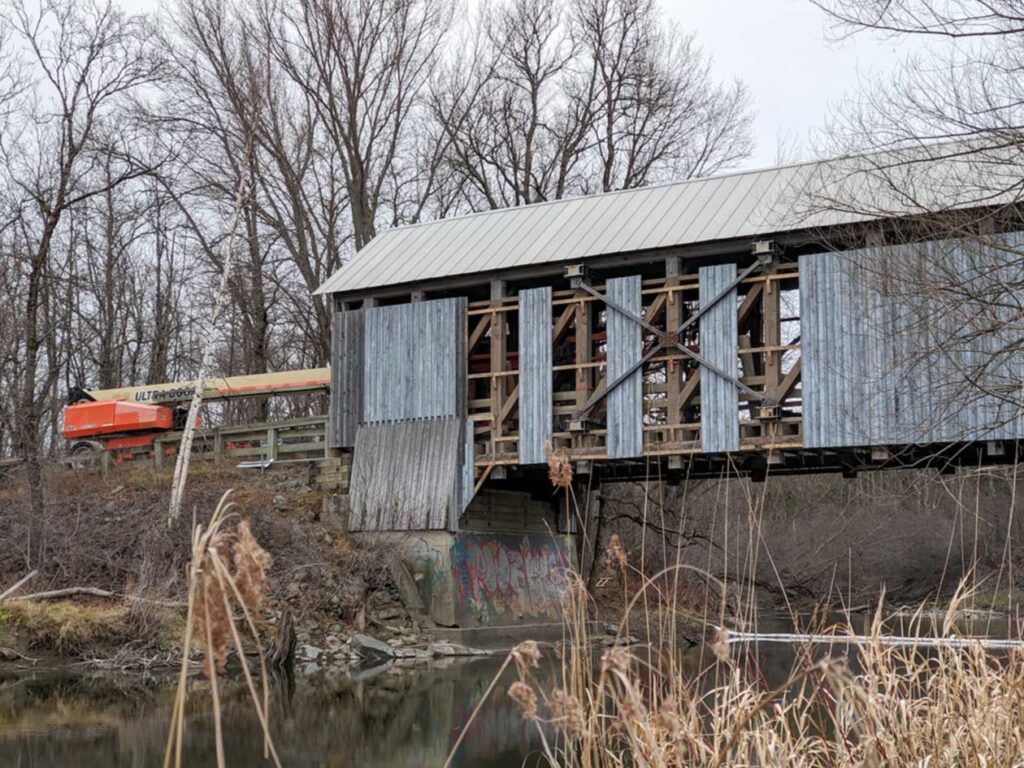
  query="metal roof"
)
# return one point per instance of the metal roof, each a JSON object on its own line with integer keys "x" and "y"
{"x": 745, "y": 204}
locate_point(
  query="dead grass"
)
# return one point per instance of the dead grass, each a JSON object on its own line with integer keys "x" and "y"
{"x": 887, "y": 706}
{"x": 76, "y": 628}
{"x": 112, "y": 533}
{"x": 227, "y": 577}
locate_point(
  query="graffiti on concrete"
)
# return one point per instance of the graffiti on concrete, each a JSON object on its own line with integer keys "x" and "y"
{"x": 509, "y": 578}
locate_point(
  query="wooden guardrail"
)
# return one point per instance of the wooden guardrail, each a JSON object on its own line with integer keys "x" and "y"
{"x": 278, "y": 441}
{"x": 275, "y": 443}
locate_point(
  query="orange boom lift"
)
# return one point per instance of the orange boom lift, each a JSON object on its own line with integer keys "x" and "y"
{"x": 133, "y": 417}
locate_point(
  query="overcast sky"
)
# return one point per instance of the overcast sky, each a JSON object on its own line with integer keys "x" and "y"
{"x": 782, "y": 50}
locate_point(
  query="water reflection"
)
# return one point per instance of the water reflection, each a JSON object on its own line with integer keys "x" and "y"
{"x": 401, "y": 717}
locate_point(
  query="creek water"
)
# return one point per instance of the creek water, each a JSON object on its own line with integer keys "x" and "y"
{"x": 401, "y": 717}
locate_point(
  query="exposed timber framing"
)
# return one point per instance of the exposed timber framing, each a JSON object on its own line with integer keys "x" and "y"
{"x": 671, "y": 363}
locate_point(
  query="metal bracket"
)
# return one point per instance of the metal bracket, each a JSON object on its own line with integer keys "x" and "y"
{"x": 577, "y": 275}
{"x": 764, "y": 251}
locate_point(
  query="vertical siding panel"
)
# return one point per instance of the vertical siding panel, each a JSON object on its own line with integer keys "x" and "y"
{"x": 346, "y": 402}
{"x": 808, "y": 288}
{"x": 882, "y": 364}
{"x": 625, "y": 402}
{"x": 404, "y": 475}
{"x": 415, "y": 355}
{"x": 535, "y": 375}
{"x": 719, "y": 413}
{"x": 408, "y": 471}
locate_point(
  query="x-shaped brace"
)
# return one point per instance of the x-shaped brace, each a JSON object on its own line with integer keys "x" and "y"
{"x": 669, "y": 341}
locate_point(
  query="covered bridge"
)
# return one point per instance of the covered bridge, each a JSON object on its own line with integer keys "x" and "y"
{"x": 734, "y": 324}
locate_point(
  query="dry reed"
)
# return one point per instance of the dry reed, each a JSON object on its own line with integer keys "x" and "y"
{"x": 216, "y": 594}
{"x": 876, "y": 704}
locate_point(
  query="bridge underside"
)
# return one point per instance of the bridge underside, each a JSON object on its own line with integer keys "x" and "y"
{"x": 759, "y": 466}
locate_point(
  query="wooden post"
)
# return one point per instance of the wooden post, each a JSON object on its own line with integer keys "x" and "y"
{"x": 158, "y": 453}
{"x": 218, "y": 447}
{"x": 499, "y": 361}
{"x": 272, "y": 444}
{"x": 673, "y": 367}
{"x": 771, "y": 334}
{"x": 584, "y": 356}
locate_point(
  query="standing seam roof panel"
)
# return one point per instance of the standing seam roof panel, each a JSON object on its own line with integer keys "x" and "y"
{"x": 629, "y": 235}
{"x": 713, "y": 208}
{"x": 661, "y": 231}
{"x": 735, "y": 207}
{"x": 550, "y": 244}
{"x": 582, "y": 221}
{"x": 680, "y": 231}
{"x": 472, "y": 246}
{"x": 363, "y": 263}
{"x": 607, "y": 221}
{"x": 779, "y": 199}
{"x": 432, "y": 252}
{"x": 519, "y": 221}
{"x": 524, "y": 251}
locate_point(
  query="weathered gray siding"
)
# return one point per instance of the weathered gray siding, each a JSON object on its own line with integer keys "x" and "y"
{"x": 884, "y": 365}
{"x": 406, "y": 475}
{"x": 719, "y": 399}
{"x": 625, "y": 402}
{"x": 535, "y": 375}
{"x": 468, "y": 476}
{"x": 346, "y": 401}
{"x": 416, "y": 361}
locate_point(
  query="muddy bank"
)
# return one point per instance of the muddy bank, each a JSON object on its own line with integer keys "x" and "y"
{"x": 111, "y": 536}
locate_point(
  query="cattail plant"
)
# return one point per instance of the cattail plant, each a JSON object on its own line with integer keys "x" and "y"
{"x": 227, "y": 584}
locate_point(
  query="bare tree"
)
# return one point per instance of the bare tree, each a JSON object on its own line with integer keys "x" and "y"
{"x": 363, "y": 66}
{"x": 86, "y": 61}
{"x": 593, "y": 95}
{"x": 226, "y": 78}
{"x": 662, "y": 115}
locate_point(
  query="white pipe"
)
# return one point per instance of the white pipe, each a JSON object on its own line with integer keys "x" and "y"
{"x": 894, "y": 640}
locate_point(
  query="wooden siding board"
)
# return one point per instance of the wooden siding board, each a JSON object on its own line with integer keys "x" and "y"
{"x": 415, "y": 361}
{"x": 535, "y": 375}
{"x": 719, "y": 412}
{"x": 346, "y": 400}
{"x": 880, "y": 365}
{"x": 404, "y": 473}
{"x": 625, "y": 348}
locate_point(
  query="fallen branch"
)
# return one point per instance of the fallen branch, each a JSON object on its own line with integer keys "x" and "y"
{"x": 68, "y": 592}
{"x": 9, "y": 654}
{"x": 18, "y": 585}
{"x": 94, "y": 592}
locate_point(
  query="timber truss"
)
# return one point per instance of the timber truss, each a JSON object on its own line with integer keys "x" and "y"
{"x": 766, "y": 375}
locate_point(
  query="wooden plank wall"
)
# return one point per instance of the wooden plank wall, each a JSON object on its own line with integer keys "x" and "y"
{"x": 719, "y": 399}
{"x": 885, "y": 365}
{"x": 415, "y": 361}
{"x": 346, "y": 402}
{"x": 535, "y": 374}
{"x": 404, "y": 473}
{"x": 625, "y": 402}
